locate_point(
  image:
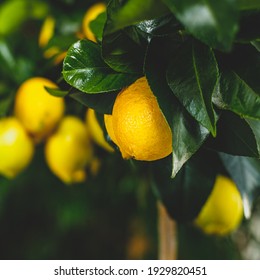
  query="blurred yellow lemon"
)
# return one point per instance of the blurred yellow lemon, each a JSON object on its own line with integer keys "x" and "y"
{"x": 90, "y": 15}
{"x": 47, "y": 31}
{"x": 38, "y": 111}
{"x": 139, "y": 126}
{"x": 16, "y": 148}
{"x": 69, "y": 151}
{"x": 96, "y": 131}
{"x": 223, "y": 210}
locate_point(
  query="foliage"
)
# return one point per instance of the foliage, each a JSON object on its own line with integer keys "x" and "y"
{"x": 201, "y": 60}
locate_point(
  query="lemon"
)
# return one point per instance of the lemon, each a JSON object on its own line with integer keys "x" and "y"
{"x": 47, "y": 31}
{"x": 223, "y": 210}
{"x": 68, "y": 151}
{"x": 139, "y": 126}
{"x": 16, "y": 148}
{"x": 38, "y": 111}
{"x": 96, "y": 131}
{"x": 90, "y": 15}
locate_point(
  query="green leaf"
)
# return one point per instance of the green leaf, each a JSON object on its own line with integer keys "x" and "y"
{"x": 192, "y": 76}
{"x": 123, "y": 50}
{"x": 134, "y": 11}
{"x": 185, "y": 195}
{"x": 236, "y": 136}
{"x": 188, "y": 134}
{"x": 248, "y": 23}
{"x": 84, "y": 69}
{"x": 246, "y": 174}
{"x": 56, "y": 92}
{"x": 235, "y": 95}
{"x": 101, "y": 103}
{"x": 213, "y": 22}
{"x": 249, "y": 4}
{"x": 97, "y": 25}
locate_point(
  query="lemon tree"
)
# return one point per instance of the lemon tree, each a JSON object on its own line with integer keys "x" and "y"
{"x": 172, "y": 92}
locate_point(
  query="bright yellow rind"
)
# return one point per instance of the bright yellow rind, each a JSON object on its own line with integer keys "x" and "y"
{"x": 223, "y": 211}
{"x": 16, "y": 148}
{"x": 96, "y": 131}
{"x": 140, "y": 128}
{"x": 90, "y": 15}
{"x": 69, "y": 151}
{"x": 38, "y": 111}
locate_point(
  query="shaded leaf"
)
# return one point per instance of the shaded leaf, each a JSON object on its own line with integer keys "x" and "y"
{"x": 249, "y": 4}
{"x": 234, "y": 94}
{"x": 246, "y": 174}
{"x": 255, "y": 126}
{"x": 134, "y": 11}
{"x": 84, "y": 69}
{"x": 122, "y": 50}
{"x": 213, "y": 22}
{"x": 97, "y": 25}
{"x": 235, "y": 136}
{"x": 101, "y": 103}
{"x": 188, "y": 134}
{"x": 184, "y": 195}
{"x": 192, "y": 76}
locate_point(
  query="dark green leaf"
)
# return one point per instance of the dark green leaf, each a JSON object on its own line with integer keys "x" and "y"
{"x": 84, "y": 69}
{"x": 248, "y": 31}
{"x": 101, "y": 103}
{"x": 56, "y": 92}
{"x": 184, "y": 195}
{"x": 249, "y": 4}
{"x": 97, "y": 25}
{"x": 192, "y": 76}
{"x": 235, "y": 95}
{"x": 235, "y": 136}
{"x": 188, "y": 134}
{"x": 123, "y": 50}
{"x": 134, "y": 11}
{"x": 213, "y": 22}
{"x": 246, "y": 174}
{"x": 256, "y": 44}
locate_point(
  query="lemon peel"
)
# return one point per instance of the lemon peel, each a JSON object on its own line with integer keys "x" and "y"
{"x": 223, "y": 211}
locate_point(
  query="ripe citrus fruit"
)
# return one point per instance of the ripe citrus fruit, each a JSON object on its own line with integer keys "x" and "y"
{"x": 139, "y": 126}
{"x": 46, "y": 31}
{"x": 68, "y": 151}
{"x": 16, "y": 148}
{"x": 38, "y": 111}
{"x": 90, "y": 15}
{"x": 96, "y": 131}
{"x": 223, "y": 210}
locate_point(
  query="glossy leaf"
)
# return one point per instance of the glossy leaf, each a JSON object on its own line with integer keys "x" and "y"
{"x": 56, "y": 92}
{"x": 122, "y": 50}
{"x": 84, "y": 69}
{"x": 192, "y": 77}
{"x": 235, "y": 95}
{"x": 134, "y": 11}
{"x": 246, "y": 174}
{"x": 236, "y": 136}
{"x": 188, "y": 134}
{"x": 213, "y": 22}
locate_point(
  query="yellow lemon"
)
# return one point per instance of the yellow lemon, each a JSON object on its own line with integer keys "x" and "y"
{"x": 96, "y": 131}
{"x": 140, "y": 128}
{"x": 47, "y": 31}
{"x": 38, "y": 111}
{"x": 16, "y": 148}
{"x": 69, "y": 151}
{"x": 223, "y": 210}
{"x": 90, "y": 15}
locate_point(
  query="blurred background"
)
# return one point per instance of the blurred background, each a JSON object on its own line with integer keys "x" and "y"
{"x": 113, "y": 214}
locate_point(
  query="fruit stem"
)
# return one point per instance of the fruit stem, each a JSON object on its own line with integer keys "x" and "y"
{"x": 167, "y": 231}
